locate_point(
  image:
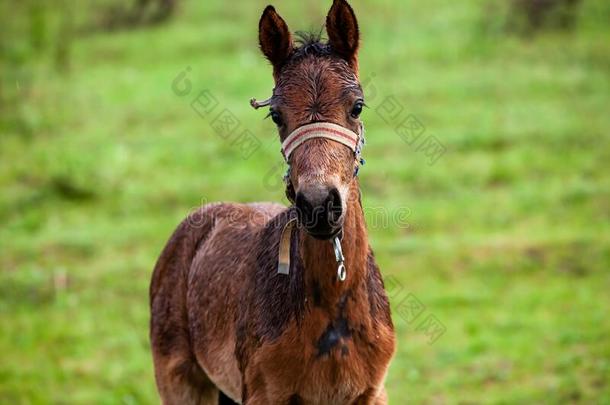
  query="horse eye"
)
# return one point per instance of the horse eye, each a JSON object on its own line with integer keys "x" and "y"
{"x": 357, "y": 109}
{"x": 276, "y": 117}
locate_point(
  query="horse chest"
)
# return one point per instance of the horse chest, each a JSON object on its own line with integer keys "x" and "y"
{"x": 325, "y": 360}
{"x": 337, "y": 371}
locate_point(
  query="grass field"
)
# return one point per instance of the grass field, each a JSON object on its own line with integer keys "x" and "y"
{"x": 506, "y": 242}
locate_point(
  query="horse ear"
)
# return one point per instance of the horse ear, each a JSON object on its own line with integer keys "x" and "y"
{"x": 274, "y": 38}
{"x": 342, "y": 30}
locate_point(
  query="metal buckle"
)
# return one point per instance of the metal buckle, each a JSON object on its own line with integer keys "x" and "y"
{"x": 341, "y": 270}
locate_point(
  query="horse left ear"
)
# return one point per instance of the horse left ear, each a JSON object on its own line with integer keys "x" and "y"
{"x": 342, "y": 30}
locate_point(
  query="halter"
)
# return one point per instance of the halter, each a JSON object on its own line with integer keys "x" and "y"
{"x": 296, "y": 138}
{"x": 326, "y": 130}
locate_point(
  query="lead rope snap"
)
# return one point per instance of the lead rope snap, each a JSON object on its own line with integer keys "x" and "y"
{"x": 341, "y": 270}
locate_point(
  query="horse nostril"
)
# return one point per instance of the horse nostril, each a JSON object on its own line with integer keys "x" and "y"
{"x": 304, "y": 208}
{"x": 334, "y": 206}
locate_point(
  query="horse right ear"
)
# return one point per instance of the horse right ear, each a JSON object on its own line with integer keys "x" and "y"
{"x": 274, "y": 38}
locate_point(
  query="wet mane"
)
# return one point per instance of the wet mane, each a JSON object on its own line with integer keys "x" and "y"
{"x": 309, "y": 44}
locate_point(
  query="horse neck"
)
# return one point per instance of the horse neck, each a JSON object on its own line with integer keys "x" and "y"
{"x": 320, "y": 274}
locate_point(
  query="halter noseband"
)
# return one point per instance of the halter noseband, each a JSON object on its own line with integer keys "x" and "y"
{"x": 326, "y": 130}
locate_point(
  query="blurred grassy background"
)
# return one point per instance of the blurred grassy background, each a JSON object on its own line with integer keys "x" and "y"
{"x": 508, "y": 242}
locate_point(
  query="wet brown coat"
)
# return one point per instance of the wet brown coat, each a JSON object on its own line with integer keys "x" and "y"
{"x": 223, "y": 322}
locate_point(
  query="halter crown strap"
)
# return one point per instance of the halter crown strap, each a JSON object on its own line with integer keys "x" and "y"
{"x": 326, "y": 130}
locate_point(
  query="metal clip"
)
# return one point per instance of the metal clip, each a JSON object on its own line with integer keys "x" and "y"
{"x": 341, "y": 270}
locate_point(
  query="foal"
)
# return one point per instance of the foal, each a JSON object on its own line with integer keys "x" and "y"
{"x": 245, "y": 306}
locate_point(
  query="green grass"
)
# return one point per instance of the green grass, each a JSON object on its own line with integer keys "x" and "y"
{"x": 508, "y": 244}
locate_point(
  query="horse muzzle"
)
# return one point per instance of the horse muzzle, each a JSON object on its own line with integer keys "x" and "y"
{"x": 320, "y": 211}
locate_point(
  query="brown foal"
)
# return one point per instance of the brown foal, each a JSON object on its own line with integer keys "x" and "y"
{"x": 226, "y": 326}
